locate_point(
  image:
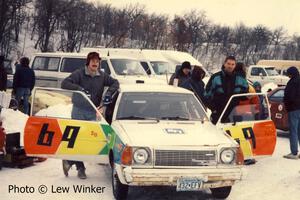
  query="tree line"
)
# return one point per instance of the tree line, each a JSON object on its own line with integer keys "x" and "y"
{"x": 69, "y": 25}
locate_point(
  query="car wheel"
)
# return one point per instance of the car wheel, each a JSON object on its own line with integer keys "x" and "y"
{"x": 221, "y": 193}
{"x": 120, "y": 190}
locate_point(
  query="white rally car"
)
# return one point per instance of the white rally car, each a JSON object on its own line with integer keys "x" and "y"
{"x": 159, "y": 136}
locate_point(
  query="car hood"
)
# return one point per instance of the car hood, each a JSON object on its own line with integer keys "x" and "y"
{"x": 166, "y": 133}
{"x": 133, "y": 79}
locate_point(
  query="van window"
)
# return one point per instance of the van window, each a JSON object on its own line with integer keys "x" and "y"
{"x": 271, "y": 71}
{"x": 46, "y": 63}
{"x": 105, "y": 67}
{"x": 256, "y": 71}
{"x": 71, "y": 64}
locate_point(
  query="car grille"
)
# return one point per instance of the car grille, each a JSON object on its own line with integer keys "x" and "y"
{"x": 185, "y": 158}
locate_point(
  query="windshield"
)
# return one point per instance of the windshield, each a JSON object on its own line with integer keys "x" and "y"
{"x": 160, "y": 106}
{"x": 127, "y": 67}
{"x": 162, "y": 68}
{"x": 271, "y": 71}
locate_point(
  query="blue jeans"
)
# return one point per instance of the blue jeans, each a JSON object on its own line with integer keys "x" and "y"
{"x": 81, "y": 114}
{"x": 23, "y": 93}
{"x": 294, "y": 124}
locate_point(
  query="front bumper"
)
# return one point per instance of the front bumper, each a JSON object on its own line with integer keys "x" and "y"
{"x": 212, "y": 177}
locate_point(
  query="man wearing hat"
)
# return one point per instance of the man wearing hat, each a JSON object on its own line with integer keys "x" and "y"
{"x": 292, "y": 105}
{"x": 91, "y": 81}
{"x": 182, "y": 74}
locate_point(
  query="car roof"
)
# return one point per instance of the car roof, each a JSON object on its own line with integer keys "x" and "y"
{"x": 153, "y": 88}
{"x": 81, "y": 55}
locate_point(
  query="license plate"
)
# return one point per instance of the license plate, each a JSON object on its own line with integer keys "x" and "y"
{"x": 189, "y": 184}
{"x": 278, "y": 115}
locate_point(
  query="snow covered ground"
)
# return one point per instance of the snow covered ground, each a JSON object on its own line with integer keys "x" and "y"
{"x": 272, "y": 178}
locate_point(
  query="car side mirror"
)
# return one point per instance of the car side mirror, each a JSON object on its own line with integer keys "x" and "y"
{"x": 261, "y": 75}
{"x": 102, "y": 70}
{"x": 237, "y": 118}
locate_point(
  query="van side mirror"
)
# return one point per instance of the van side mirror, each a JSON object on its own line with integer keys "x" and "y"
{"x": 261, "y": 75}
{"x": 102, "y": 70}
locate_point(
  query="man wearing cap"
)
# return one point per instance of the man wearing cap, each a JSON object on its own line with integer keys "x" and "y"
{"x": 292, "y": 105}
{"x": 182, "y": 74}
{"x": 221, "y": 86}
{"x": 91, "y": 81}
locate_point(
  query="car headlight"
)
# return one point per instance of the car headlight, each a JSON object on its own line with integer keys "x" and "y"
{"x": 227, "y": 156}
{"x": 140, "y": 156}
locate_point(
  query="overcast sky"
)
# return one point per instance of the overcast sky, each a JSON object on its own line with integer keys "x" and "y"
{"x": 272, "y": 13}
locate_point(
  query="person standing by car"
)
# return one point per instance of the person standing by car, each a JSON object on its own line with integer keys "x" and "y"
{"x": 181, "y": 75}
{"x": 221, "y": 86}
{"x": 3, "y": 75}
{"x": 292, "y": 104}
{"x": 23, "y": 83}
{"x": 91, "y": 81}
{"x": 195, "y": 83}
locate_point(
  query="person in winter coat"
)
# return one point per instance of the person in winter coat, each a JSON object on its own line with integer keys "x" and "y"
{"x": 182, "y": 74}
{"x": 3, "y": 75}
{"x": 91, "y": 81}
{"x": 23, "y": 83}
{"x": 195, "y": 83}
{"x": 292, "y": 105}
{"x": 221, "y": 86}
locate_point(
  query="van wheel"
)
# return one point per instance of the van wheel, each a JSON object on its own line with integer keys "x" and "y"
{"x": 221, "y": 193}
{"x": 120, "y": 190}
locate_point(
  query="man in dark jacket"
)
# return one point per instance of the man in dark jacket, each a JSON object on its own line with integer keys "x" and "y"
{"x": 221, "y": 86}
{"x": 3, "y": 75}
{"x": 292, "y": 105}
{"x": 182, "y": 74}
{"x": 91, "y": 81}
{"x": 24, "y": 80}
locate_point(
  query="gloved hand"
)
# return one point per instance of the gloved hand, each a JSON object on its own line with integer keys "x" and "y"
{"x": 107, "y": 100}
{"x": 88, "y": 94}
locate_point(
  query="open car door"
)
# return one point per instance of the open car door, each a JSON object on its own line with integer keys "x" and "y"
{"x": 65, "y": 124}
{"x": 247, "y": 119}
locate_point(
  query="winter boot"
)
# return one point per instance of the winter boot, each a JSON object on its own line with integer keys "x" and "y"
{"x": 66, "y": 167}
{"x": 81, "y": 174}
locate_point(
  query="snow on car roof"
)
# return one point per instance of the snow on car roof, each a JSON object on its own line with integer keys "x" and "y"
{"x": 153, "y": 88}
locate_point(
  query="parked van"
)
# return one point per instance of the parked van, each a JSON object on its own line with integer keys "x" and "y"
{"x": 266, "y": 74}
{"x": 51, "y": 68}
{"x": 281, "y": 65}
{"x": 152, "y": 61}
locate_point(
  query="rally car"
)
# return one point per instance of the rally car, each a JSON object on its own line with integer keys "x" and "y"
{"x": 158, "y": 136}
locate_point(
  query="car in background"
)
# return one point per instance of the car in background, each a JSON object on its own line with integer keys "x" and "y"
{"x": 281, "y": 65}
{"x": 51, "y": 68}
{"x": 278, "y": 112}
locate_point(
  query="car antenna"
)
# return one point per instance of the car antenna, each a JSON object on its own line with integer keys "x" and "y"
{"x": 107, "y": 53}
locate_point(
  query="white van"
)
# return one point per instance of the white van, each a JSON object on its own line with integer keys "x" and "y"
{"x": 51, "y": 68}
{"x": 152, "y": 61}
{"x": 281, "y": 65}
{"x": 265, "y": 74}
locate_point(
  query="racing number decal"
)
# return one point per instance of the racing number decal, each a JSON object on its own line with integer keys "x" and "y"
{"x": 46, "y": 136}
{"x": 249, "y": 135}
{"x": 70, "y": 135}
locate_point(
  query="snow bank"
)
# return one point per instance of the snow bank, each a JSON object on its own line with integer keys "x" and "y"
{"x": 14, "y": 121}
{"x": 59, "y": 110}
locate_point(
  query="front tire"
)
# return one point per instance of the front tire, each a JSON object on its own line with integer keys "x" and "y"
{"x": 120, "y": 190}
{"x": 221, "y": 193}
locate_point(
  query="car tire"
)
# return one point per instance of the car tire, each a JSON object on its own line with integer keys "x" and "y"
{"x": 221, "y": 193}
{"x": 120, "y": 191}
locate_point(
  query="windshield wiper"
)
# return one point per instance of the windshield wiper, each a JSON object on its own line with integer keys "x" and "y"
{"x": 137, "y": 118}
{"x": 175, "y": 118}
